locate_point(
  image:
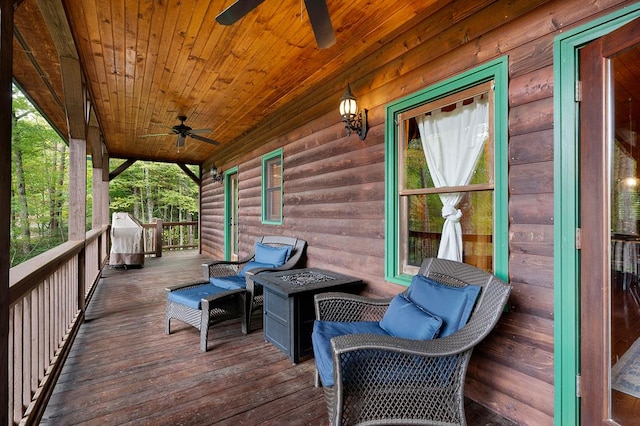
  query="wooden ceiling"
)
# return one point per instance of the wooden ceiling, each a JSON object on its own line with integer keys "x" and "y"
{"x": 146, "y": 62}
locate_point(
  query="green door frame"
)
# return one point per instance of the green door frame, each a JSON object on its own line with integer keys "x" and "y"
{"x": 566, "y": 208}
{"x": 227, "y": 211}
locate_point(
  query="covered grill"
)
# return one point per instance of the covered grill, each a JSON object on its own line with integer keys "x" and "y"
{"x": 127, "y": 245}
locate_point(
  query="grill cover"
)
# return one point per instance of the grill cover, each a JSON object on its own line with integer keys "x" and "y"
{"x": 127, "y": 247}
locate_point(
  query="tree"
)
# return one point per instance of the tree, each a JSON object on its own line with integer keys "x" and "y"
{"x": 38, "y": 182}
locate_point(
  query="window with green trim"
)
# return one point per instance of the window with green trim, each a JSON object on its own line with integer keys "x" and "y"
{"x": 272, "y": 188}
{"x": 446, "y": 175}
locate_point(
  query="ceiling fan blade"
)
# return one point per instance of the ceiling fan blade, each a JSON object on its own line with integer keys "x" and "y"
{"x": 203, "y": 139}
{"x": 157, "y": 134}
{"x": 321, "y": 23}
{"x": 237, "y": 11}
{"x": 200, "y": 131}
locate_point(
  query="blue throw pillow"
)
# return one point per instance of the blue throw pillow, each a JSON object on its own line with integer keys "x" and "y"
{"x": 254, "y": 265}
{"x": 276, "y": 256}
{"x": 409, "y": 321}
{"x": 452, "y": 304}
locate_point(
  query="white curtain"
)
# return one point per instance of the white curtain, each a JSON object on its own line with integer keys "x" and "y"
{"x": 452, "y": 143}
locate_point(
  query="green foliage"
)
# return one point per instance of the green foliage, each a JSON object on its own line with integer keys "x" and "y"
{"x": 40, "y": 187}
{"x": 155, "y": 190}
{"x": 38, "y": 193}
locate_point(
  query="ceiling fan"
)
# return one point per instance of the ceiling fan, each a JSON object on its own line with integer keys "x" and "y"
{"x": 183, "y": 131}
{"x": 316, "y": 9}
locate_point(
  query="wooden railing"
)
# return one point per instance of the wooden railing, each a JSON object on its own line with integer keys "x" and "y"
{"x": 47, "y": 296}
{"x": 161, "y": 235}
{"x": 478, "y": 249}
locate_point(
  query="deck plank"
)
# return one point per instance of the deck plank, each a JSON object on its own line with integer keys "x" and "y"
{"x": 123, "y": 369}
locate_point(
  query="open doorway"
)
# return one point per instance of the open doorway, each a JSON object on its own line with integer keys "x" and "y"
{"x": 610, "y": 227}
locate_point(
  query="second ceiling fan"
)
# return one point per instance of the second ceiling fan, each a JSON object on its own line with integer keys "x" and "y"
{"x": 316, "y": 9}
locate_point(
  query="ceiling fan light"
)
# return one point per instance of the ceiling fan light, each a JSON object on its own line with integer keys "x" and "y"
{"x": 180, "y": 143}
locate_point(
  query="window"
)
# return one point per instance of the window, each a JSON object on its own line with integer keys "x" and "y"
{"x": 446, "y": 175}
{"x": 272, "y": 188}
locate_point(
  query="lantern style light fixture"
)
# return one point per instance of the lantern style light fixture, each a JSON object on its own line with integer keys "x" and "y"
{"x": 354, "y": 120}
{"x": 180, "y": 143}
{"x": 217, "y": 177}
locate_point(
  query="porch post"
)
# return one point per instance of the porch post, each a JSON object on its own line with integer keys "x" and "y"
{"x": 6, "y": 74}
{"x": 78, "y": 206}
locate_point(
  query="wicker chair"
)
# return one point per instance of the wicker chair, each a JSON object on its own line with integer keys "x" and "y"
{"x": 220, "y": 304}
{"x": 381, "y": 379}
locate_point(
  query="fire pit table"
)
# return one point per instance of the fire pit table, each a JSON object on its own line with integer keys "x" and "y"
{"x": 288, "y": 310}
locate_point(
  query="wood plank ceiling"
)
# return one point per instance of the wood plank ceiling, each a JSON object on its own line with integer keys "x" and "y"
{"x": 146, "y": 62}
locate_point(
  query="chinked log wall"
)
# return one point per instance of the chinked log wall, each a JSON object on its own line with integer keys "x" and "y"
{"x": 334, "y": 186}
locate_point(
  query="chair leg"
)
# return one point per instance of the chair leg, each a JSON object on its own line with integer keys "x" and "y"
{"x": 246, "y": 300}
{"x": 167, "y": 323}
{"x": 204, "y": 329}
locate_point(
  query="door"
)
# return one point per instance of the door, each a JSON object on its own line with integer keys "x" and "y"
{"x": 610, "y": 228}
{"x": 231, "y": 216}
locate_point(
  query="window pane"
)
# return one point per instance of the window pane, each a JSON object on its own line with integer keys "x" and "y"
{"x": 424, "y": 224}
{"x": 444, "y": 127}
{"x": 274, "y": 178}
{"x": 274, "y": 205}
{"x": 272, "y": 196}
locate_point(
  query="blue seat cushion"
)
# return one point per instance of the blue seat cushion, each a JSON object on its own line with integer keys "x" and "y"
{"x": 253, "y": 265}
{"x": 323, "y": 331}
{"x": 191, "y": 296}
{"x": 409, "y": 321}
{"x": 229, "y": 283}
{"x": 276, "y": 256}
{"x": 452, "y": 304}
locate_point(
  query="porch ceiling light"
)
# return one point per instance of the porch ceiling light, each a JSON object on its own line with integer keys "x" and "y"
{"x": 180, "y": 143}
{"x": 354, "y": 121}
{"x": 217, "y": 177}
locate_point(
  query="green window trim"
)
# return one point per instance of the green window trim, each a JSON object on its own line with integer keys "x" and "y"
{"x": 496, "y": 70}
{"x": 267, "y": 192}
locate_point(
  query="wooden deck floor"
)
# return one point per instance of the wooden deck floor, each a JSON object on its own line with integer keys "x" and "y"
{"x": 123, "y": 369}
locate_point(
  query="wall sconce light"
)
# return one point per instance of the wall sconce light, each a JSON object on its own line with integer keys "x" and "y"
{"x": 354, "y": 121}
{"x": 217, "y": 177}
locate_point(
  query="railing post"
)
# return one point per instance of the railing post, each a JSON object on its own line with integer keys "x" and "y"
{"x": 81, "y": 279}
{"x": 158, "y": 238}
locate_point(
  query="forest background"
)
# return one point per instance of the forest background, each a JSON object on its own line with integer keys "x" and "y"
{"x": 40, "y": 186}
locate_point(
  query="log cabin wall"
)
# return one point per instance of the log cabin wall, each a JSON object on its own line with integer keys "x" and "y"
{"x": 334, "y": 185}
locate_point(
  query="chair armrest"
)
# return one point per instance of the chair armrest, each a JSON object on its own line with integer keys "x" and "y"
{"x": 346, "y": 307}
{"x": 186, "y": 285}
{"x": 451, "y": 345}
{"x": 218, "y": 268}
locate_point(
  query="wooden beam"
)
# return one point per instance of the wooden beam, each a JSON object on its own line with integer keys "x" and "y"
{"x": 6, "y": 75}
{"x": 74, "y": 97}
{"x": 94, "y": 141}
{"x": 121, "y": 168}
{"x": 56, "y": 19}
{"x": 189, "y": 173}
{"x": 74, "y": 93}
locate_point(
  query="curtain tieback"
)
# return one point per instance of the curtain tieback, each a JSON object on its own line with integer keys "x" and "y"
{"x": 451, "y": 213}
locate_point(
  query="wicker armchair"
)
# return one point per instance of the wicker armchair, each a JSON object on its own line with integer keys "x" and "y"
{"x": 254, "y": 298}
{"x": 381, "y": 379}
{"x": 216, "y": 304}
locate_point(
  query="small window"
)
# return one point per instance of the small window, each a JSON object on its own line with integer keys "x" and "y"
{"x": 272, "y": 188}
